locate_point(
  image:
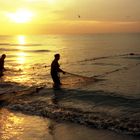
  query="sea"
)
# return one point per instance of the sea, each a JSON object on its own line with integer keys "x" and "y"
{"x": 100, "y": 89}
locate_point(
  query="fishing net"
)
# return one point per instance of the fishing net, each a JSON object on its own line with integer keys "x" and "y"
{"x": 75, "y": 80}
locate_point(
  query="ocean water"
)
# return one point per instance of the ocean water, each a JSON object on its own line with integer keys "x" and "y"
{"x": 100, "y": 88}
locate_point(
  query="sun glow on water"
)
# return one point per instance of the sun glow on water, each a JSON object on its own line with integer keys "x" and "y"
{"x": 21, "y": 40}
{"x": 21, "y": 55}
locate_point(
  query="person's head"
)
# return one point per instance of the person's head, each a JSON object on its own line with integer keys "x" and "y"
{"x": 57, "y": 56}
{"x": 3, "y": 56}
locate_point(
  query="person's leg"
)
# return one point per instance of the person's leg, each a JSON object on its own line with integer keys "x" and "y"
{"x": 56, "y": 79}
{"x": 1, "y": 73}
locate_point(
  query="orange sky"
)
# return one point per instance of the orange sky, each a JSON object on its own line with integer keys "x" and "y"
{"x": 69, "y": 16}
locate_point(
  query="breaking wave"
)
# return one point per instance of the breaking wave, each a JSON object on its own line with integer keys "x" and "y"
{"x": 72, "y": 105}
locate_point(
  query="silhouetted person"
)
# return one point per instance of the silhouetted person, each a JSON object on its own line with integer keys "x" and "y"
{"x": 2, "y": 64}
{"x": 55, "y": 70}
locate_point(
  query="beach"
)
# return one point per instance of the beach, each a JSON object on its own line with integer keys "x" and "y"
{"x": 99, "y": 96}
{"x": 35, "y": 127}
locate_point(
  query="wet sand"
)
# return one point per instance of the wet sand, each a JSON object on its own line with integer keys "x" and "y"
{"x": 18, "y": 126}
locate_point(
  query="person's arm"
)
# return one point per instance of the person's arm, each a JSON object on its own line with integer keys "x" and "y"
{"x": 4, "y": 69}
{"x": 60, "y": 70}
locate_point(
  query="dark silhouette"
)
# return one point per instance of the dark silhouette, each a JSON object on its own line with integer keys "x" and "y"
{"x": 2, "y": 64}
{"x": 55, "y": 70}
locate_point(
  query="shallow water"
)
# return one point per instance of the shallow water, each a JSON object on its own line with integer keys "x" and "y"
{"x": 18, "y": 126}
{"x": 100, "y": 89}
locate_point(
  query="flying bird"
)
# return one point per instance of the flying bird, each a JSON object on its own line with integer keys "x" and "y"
{"x": 79, "y": 16}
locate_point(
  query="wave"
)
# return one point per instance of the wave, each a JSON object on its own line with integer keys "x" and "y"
{"x": 127, "y": 55}
{"x": 13, "y": 44}
{"x": 43, "y": 103}
{"x": 10, "y": 50}
{"x": 38, "y": 51}
{"x": 117, "y": 70}
{"x": 136, "y": 57}
{"x": 106, "y": 64}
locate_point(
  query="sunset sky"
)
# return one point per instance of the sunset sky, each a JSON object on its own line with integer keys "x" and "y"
{"x": 69, "y": 16}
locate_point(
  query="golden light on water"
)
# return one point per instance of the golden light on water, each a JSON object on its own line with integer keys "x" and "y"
{"x": 10, "y": 124}
{"x": 21, "y": 39}
{"x": 17, "y": 126}
{"x": 21, "y": 57}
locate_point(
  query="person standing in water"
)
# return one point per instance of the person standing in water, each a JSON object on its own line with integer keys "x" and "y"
{"x": 55, "y": 70}
{"x": 2, "y": 64}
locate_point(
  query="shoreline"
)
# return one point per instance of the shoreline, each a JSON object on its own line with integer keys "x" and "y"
{"x": 30, "y": 127}
{"x": 46, "y": 104}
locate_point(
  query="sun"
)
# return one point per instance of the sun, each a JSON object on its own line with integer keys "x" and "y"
{"x": 21, "y": 16}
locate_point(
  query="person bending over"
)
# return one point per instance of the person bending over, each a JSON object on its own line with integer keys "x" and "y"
{"x": 2, "y": 64}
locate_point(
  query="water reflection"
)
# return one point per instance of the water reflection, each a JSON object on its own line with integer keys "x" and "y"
{"x": 21, "y": 56}
{"x": 10, "y": 125}
{"x": 18, "y": 71}
{"x": 28, "y": 57}
{"x": 21, "y": 39}
{"x": 17, "y": 126}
